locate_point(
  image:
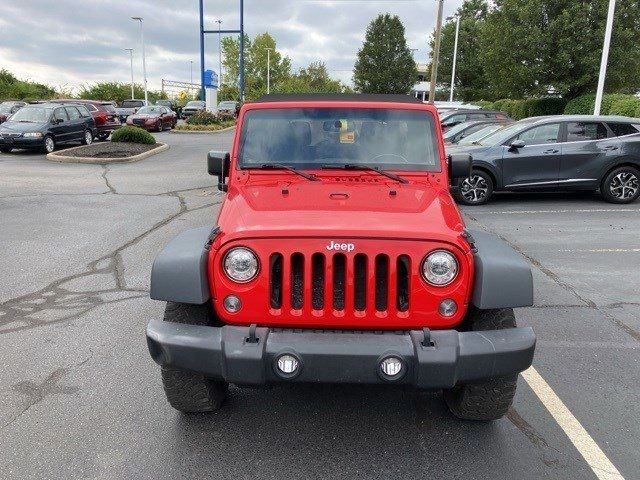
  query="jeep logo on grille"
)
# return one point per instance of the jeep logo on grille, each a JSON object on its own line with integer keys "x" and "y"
{"x": 341, "y": 247}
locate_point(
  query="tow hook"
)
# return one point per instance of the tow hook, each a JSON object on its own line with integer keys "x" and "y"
{"x": 252, "y": 338}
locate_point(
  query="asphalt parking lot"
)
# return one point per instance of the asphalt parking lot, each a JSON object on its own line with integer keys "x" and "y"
{"x": 81, "y": 398}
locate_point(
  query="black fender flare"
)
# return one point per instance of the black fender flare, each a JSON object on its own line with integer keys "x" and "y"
{"x": 179, "y": 272}
{"x": 502, "y": 277}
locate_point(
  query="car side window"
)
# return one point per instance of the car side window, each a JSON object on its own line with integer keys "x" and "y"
{"x": 59, "y": 114}
{"x": 73, "y": 113}
{"x": 540, "y": 135}
{"x": 582, "y": 131}
{"x": 84, "y": 113}
{"x": 621, "y": 129}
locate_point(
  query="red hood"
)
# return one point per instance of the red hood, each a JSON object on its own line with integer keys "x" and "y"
{"x": 350, "y": 206}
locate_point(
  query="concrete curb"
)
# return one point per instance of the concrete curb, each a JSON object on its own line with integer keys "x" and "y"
{"x": 204, "y": 131}
{"x": 60, "y": 158}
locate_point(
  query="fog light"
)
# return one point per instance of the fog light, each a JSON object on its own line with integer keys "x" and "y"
{"x": 448, "y": 307}
{"x": 232, "y": 304}
{"x": 287, "y": 364}
{"x": 391, "y": 366}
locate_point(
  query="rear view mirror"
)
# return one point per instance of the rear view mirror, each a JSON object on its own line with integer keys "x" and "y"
{"x": 517, "y": 144}
{"x": 219, "y": 163}
{"x": 459, "y": 167}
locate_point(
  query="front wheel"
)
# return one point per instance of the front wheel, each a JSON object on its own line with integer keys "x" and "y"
{"x": 103, "y": 136}
{"x": 475, "y": 190}
{"x": 159, "y": 126}
{"x": 489, "y": 399}
{"x": 87, "y": 138}
{"x": 189, "y": 391}
{"x": 49, "y": 144}
{"x": 621, "y": 185}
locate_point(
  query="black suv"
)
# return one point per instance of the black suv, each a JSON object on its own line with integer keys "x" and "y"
{"x": 43, "y": 126}
{"x": 451, "y": 118}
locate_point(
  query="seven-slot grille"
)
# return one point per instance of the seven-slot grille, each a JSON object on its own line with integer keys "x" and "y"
{"x": 339, "y": 282}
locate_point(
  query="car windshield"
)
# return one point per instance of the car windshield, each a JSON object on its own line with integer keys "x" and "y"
{"x": 109, "y": 107}
{"x": 32, "y": 114}
{"x": 476, "y": 137}
{"x": 226, "y": 104}
{"x": 315, "y": 138}
{"x": 150, "y": 111}
{"x": 195, "y": 104}
{"x": 132, "y": 103}
{"x": 453, "y": 131}
{"x": 164, "y": 103}
{"x": 5, "y": 107}
{"x": 500, "y": 136}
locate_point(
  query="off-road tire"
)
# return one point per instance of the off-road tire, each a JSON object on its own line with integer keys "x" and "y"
{"x": 489, "y": 399}
{"x": 627, "y": 195}
{"x": 480, "y": 181}
{"x": 189, "y": 391}
{"x": 6, "y": 149}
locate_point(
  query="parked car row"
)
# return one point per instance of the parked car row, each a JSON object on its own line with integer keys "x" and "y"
{"x": 562, "y": 152}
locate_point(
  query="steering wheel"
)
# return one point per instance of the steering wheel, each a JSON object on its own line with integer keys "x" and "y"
{"x": 403, "y": 159}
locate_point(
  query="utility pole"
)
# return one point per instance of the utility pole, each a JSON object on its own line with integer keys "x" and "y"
{"x": 130, "y": 50}
{"x": 144, "y": 60}
{"x": 242, "y": 51}
{"x": 219, "y": 22}
{"x": 268, "y": 70}
{"x": 455, "y": 57}
{"x": 436, "y": 55}
{"x": 605, "y": 56}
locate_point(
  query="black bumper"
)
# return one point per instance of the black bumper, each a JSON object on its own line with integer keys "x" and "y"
{"x": 450, "y": 358}
{"x": 22, "y": 142}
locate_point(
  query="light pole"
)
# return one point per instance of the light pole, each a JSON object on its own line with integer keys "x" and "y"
{"x": 144, "y": 60}
{"x": 455, "y": 57}
{"x": 436, "y": 55}
{"x": 191, "y": 70}
{"x": 219, "y": 22}
{"x": 268, "y": 69}
{"x": 130, "y": 50}
{"x": 605, "y": 57}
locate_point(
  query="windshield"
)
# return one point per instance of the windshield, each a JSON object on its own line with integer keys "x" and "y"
{"x": 453, "y": 131}
{"x": 476, "y": 137}
{"x": 109, "y": 107}
{"x": 5, "y": 107}
{"x": 150, "y": 111}
{"x": 195, "y": 104}
{"x": 32, "y": 114}
{"x": 132, "y": 103}
{"x": 315, "y": 138}
{"x": 500, "y": 136}
{"x": 226, "y": 104}
{"x": 164, "y": 103}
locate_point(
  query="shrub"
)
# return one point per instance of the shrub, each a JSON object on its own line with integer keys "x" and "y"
{"x": 131, "y": 134}
{"x": 483, "y": 104}
{"x": 203, "y": 117}
{"x": 582, "y": 105}
{"x": 537, "y": 107}
{"x": 628, "y": 106}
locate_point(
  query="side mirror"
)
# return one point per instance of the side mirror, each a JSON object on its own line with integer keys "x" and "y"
{"x": 219, "y": 163}
{"x": 459, "y": 167}
{"x": 516, "y": 144}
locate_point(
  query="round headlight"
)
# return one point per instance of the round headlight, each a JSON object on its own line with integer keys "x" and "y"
{"x": 240, "y": 264}
{"x": 440, "y": 268}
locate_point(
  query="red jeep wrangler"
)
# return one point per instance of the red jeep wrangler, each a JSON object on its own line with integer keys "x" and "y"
{"x": 340, "y": 256}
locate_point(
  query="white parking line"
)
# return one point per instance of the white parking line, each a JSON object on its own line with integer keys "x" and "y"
{"x": 588, "y": 448}
{"x": 516, "y": 212}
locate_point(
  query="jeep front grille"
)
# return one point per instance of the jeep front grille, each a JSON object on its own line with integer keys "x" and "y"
{"x": 339, "y": 282}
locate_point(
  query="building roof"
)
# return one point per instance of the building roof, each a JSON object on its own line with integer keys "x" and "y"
{"x": 336, "y": 97}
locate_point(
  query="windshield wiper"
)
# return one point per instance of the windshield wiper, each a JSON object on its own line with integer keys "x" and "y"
{"x": 279, "y": 166}
{"x": 368, "y": 168}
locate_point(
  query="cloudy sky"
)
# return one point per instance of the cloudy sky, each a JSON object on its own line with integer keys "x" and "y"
{"x": 66, "y": 43}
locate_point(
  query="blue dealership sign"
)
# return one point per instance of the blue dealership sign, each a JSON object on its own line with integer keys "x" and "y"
{"x": 210, "y": 79}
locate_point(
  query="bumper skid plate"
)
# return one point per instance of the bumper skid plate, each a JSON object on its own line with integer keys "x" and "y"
{"x": 329, "y": 356}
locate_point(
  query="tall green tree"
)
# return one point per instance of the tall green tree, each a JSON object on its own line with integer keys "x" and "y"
{"x": 312, "y": 79}
{"x": 384, "y": 63}
{"x": 470, "y": 82}
{"x": 11, "y": 88}
{"x": 530, "y": 46}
